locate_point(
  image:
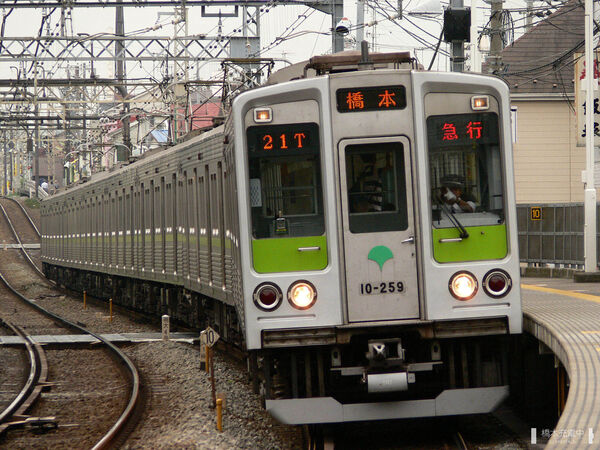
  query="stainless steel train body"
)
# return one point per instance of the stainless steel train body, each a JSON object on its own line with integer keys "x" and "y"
{"x": 312, "y": 229}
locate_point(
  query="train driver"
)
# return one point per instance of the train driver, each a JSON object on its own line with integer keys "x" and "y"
{"x": 453, "y": 194}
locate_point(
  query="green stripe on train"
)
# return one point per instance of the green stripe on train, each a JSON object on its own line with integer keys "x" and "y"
{"x": 485, "y": 242}
{"x": 282, "y": 255}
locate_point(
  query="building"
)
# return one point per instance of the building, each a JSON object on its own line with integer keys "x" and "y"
{"x": 539, "y": 69}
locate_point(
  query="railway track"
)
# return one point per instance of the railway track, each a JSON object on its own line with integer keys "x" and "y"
{"x": 16, "y": 235}
{"x": 38, "y": 373}
{"x": 123, "y": 423}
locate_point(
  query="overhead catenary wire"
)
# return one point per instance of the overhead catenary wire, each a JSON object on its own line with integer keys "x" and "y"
{"x": 436, "y": 50}
{"x": 294, "y": 32}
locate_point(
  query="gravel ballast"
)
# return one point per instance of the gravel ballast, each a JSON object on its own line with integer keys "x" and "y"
{"x": 178, "y": 413}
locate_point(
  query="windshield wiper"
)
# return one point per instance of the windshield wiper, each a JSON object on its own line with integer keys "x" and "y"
{"x": 462, "y": 232}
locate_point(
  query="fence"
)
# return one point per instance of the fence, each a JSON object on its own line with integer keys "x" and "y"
{"x": 29, "y": 187}
{"x": 551, "y": 234}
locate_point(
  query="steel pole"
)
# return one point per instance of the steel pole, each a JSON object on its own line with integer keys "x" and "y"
{"x": 11, "y": 174}
{"x": 36, "y": 154}
{"x": 495, "y": 36}
{"x": 337, "y": 11}
{"x": 475, "y": 55}
{"x": 458, "y": 47}
{"x": 589, "y": 238}
{"x": 120, "y": 72}
{"x": 4, "y": 184}
{"x": 360, "y": 22}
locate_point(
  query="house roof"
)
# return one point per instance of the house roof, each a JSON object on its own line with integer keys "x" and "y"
{"x": 542, "y": 60}
{"x": 203, "y": 114}
{"x": 161, "y": 136}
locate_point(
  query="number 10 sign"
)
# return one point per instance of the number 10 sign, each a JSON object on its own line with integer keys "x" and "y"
{"x": 209, "y": 337}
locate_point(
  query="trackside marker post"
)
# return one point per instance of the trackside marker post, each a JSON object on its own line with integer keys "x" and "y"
{"x": 219, "y": 414}
{"x": 84, "y": 299}
{"x": 211, "y": 337}
{"x": 110, "y": 309}
{"x": 212, "y": 377}
{"x": 203, "y": 352}
{"x": 165, "y": 327}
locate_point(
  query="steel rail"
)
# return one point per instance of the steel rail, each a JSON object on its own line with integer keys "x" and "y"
{"x": 113, "y": 434}
{"x": 27, "y": 257}
{"x": 26, "y": 215}
{"x": 460, "y": 441}
{"x": 38, "y": 371}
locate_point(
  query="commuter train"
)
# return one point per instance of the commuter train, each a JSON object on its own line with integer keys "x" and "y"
{"x": 321, "y": 229}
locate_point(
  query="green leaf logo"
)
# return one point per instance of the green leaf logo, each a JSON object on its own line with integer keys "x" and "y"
{"x": 380, "y": 255}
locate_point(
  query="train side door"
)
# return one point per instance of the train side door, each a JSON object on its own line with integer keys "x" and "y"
{"x": 378, "y": 229}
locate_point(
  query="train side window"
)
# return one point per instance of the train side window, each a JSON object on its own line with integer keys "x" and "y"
{"x": 376, "y": 187}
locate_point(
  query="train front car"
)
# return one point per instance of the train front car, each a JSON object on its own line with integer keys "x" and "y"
{"x": 378, "y": 240}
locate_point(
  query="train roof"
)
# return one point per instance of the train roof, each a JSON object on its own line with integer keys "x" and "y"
{"x": 346, "y": 61}
{"x": 146, "y": 158}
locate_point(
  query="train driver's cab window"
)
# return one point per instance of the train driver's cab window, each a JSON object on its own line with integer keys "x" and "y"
{"x": 286, "y": 198}
{"x": 465, "y": 170}
{"x": 376, "y": 187}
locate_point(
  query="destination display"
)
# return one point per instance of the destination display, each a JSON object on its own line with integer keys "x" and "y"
{"x": 371, "y": 98}
{"x": 461, "y": 129}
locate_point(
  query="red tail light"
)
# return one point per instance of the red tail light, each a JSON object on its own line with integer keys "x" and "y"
{"x": 497, "y": 283}
{"x": 267, "y": 296}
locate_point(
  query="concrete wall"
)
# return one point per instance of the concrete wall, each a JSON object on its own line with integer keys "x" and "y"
{"x": 547, "y": 162}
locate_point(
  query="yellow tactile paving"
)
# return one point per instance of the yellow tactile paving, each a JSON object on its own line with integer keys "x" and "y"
{"x": 581, "y": 295}
{"x": 569, "y": 323}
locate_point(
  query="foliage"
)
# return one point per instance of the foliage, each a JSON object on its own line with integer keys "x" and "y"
{"x": 33, "y": 203}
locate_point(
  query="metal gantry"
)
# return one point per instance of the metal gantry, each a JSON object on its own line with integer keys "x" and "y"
{"x": 58, "y": 100}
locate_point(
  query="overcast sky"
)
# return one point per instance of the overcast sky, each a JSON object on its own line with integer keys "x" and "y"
{"x": 306, "y": 31}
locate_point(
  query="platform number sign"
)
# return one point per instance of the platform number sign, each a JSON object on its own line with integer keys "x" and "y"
{"x": 536, "y": 213}
{"x": 209, "y": 337}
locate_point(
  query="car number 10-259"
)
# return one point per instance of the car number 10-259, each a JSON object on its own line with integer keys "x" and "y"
{"x": 381, "y": 288}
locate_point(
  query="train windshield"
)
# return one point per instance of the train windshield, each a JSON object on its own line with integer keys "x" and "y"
{"x": 286, "y": 197}
{"x": 376, "y": 187}
{"x": 465, "y": 168}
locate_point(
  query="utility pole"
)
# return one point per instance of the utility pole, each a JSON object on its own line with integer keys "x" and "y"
{"x": 120, "y": 70}
{"x": 373, "y": 29}
{"x": 360, "y": 22}
{"x": 11, "y": 188}
{"x": 589, "y": 206}
{"x": 475, "y": 55}
{"x": 181, "y": 71}
{"x": 36, "y": 150}
{"x": 528, "y": 16}
{"x": 4, "y": 192}
{"x": 337, "y": 12}
{"x": 495, "y": 58}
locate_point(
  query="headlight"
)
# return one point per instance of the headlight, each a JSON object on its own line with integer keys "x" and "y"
{"x": 497, "y": 283}
{"x": 267, "y": 296}
{"x": 302, "y": 295}
{"x": 463, "y": 285}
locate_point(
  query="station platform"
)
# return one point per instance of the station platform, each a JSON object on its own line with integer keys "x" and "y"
{"x": 565, "y": 316}
{"x": 118, "y": 338}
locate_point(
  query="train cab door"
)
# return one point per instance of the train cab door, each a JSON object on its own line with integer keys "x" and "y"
{"x": 378, "y": 223}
